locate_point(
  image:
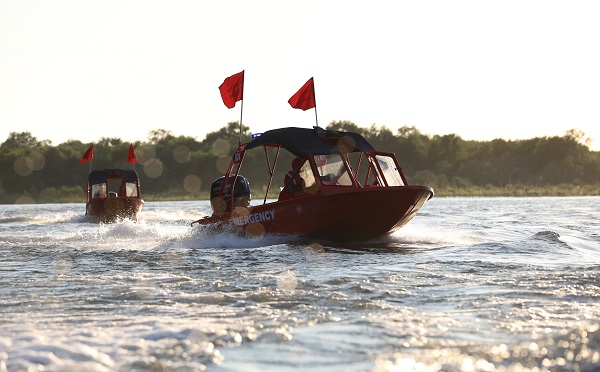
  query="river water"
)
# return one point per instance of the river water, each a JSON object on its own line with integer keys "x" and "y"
{"x": 470, "y": 284}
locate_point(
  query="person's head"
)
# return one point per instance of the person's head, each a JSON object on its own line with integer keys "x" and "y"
{"x": 297, "y": 163}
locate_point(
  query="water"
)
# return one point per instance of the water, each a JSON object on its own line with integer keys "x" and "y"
{"x": 471, "y": 284}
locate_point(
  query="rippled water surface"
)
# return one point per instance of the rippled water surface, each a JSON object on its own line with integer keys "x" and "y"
{"x": 471, "y": 284}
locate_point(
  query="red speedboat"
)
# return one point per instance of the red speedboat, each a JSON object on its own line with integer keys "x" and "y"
{"x": 339, "y": 187}
{"x": 113, "y": 194}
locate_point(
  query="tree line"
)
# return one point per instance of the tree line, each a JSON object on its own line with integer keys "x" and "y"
{"x": 182, "y": 167}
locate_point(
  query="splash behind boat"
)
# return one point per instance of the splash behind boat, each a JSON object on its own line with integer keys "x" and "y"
{"x": 340, "y": 188}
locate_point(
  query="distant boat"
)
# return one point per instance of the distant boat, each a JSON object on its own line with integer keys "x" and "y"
{"x": 113, "y": 194}
{"x": 324, "y": 196}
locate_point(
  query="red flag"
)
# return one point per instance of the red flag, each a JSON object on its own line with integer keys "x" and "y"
{"x": 232, "y": 89}
{"x": 131, "y": 157}
{"x": 304, "y": 99}
{"x": 89, "y": 155}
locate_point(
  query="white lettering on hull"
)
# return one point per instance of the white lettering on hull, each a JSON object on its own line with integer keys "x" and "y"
{"x": 253, "y": 218}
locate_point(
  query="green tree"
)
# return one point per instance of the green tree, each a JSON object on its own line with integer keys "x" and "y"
{"x": 43, "y": 171}
{"x": 24, "y": 139}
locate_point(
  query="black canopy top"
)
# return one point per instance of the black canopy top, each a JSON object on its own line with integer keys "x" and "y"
{"x": 100, "y": 176}
{"x": 317, "y": 141}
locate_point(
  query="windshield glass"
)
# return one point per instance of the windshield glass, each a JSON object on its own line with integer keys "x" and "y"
{"x": 131, "y": 190}
{"x": 332, "y": 170}
{"x": 307, "y": 175}
{"x": 99, "y": 190}
{"x": 390, "y": 171}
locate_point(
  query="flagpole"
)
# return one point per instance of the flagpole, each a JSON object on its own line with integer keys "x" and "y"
{"x": 241, "y": 113}
{"x": 315, "y": 97}
{"x": 241, "y": 108}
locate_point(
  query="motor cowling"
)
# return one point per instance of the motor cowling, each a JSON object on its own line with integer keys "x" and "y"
{"x": 241, "y": 194}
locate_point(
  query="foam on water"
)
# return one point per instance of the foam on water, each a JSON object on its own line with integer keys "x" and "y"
{"x": 472, "y": 284}
{"x": 139, "y": 230}
{"x": 69, "y": 216}
{"x": 424, "y": 235}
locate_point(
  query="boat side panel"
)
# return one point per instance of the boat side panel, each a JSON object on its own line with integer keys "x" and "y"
{"x": 357, "y": 213}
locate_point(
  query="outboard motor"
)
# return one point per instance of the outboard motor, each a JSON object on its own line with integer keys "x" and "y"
{"x": 241, "y": 194}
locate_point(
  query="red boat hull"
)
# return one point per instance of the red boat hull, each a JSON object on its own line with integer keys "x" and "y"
{"x": 112, "y": 209}
{"x": 341, "y": 214}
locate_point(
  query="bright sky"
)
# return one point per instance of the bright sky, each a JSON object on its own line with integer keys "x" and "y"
{"x": 481, "y": 69}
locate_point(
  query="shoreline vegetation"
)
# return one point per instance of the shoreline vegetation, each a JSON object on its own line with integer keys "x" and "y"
{"x": 183, "y": 168}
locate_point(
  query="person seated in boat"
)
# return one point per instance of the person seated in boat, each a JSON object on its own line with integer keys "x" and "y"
{"x": 293, "y": 182}
{"x": 99, "y": 190}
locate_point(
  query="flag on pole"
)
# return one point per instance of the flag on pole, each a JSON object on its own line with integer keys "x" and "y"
{"x": 89, "y": 155}
{"x": 232, "y": 89}
{"x": 131, "y": 157}
{"x": 304, "y": 99}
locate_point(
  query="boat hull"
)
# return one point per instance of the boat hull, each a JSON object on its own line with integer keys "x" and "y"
{"x": 112, "y": 209}
{"x": 341, "y": 215}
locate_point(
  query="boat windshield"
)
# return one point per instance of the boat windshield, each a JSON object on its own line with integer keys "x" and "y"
{"x": 131, "y": 190}
{"x": 307, "y": 175}
{"x": 332, "y": 170}
{"x": 99, "y": 190}
{"x": 390, "y": 171}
